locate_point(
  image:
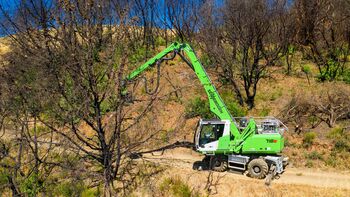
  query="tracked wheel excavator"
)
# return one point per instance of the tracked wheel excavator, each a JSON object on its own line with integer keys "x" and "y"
{"x": 247, "y": 144}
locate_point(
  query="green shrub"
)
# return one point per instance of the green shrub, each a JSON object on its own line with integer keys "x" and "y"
{"x": 309, "y": 164}
{"x": 341, "y": 139}
{"x": 39, "y": 130}
{"x": 236, "y": 110}
{"x": 205, "y": 60}
{"x": 331, "y": 71}
{"x": 224, "y": 81}
{"x": 3, "y": 180}
{"x": 341, "y": 145}
{"x": 91, "y": 192}
{"x": 276, "y": 94}
{"x": 164, "y": 135}
{"x": 233, "y": 107}
{"x": 312, "y": 120}
{"x": 265, "y": 111}
{"x": 306, "y": 69}
{"x": 176, "y": 187}
{"x": 198, "y": 107}
{"x": 314, "y": 155}
{"x": 346, "y": 76}
{"x": 138, "y": 55}
{"x": 69, "y": 158}
{"x": 31, "y": 185}
{"x": 336, "y": 133}
{"x": 68, "y": 189}
{"x": 309, "y": 139}
{"x": 331, "y": 161}
{"x": 159, "y": 41}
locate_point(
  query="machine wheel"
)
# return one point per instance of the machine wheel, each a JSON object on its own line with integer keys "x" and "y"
{"x": 197, "y": 165}
{"x": 257, "y": 168}
{"x": 200, "y": 165}
{"x": 218, "y": 164}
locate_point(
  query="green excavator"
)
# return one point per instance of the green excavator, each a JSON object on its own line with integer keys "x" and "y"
{"x": 250, "y": 145}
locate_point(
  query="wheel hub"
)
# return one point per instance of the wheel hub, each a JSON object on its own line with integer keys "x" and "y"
{"x": 217, "y": 163}
{"x": 256, "y": 169}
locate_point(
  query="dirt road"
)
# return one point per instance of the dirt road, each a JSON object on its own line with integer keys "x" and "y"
{"x": 294, "y": 182}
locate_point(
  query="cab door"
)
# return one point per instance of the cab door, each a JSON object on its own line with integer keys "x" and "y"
{"x": 208, "y": 134}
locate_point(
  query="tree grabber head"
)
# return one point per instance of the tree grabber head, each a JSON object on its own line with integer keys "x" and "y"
{"x": 125, "y": 94}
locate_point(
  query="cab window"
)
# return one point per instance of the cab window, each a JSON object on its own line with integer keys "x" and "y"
{"x": 210, "y": 133}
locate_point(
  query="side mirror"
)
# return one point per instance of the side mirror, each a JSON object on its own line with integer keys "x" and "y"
{"x": 243, "y": 122}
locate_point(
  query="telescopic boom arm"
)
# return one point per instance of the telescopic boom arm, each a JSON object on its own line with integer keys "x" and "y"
{"x": 217, "y": 106}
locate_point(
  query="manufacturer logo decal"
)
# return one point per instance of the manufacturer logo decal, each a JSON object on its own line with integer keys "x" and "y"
{"x": 271, "y": 141}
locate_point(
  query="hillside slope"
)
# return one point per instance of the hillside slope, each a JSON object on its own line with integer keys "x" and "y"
{"x": 306, "y": 176}
{"x": 314, "y": 171}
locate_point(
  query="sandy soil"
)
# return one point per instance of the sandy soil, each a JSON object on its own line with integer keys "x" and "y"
{"x": 294, "y": 182}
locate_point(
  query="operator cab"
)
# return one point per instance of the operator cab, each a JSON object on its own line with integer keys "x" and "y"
{"x": 208, "y": 134}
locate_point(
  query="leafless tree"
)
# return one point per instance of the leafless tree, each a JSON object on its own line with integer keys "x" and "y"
{"x": 145, "y": 10}
{"x": 26, "y": 163}
{"x": 333, "y": 106}
{"x": 183, "y": 17}
{"x": 324, "y": 34}
{"x": 290, "y": 46}
{"x": 247, "y": 40}
{"x": 70, "y": 59}
{"x": 307, "y": 111}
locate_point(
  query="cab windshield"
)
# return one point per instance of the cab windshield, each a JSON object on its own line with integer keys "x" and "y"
{"x": 210, "y": 133}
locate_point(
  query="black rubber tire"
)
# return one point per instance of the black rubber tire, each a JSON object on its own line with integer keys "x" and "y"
{"x": 196, "y": 165}
{"x": 218, "y": 164}
{"x": 257, "y": 168}
{"x": 200, "y": 165}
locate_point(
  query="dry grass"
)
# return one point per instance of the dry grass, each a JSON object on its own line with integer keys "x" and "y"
{"x": 232, "y": 186}
{"x": 4, "y": 46}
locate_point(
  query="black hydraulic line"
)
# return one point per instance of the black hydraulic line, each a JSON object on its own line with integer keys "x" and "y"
{"x": 186, "y": 60}
{"x": 158, "y": 74}
{"x": 158, "y": 70}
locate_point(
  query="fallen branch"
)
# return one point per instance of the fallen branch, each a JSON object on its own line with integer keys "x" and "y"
{"x": 183, "y": 144}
